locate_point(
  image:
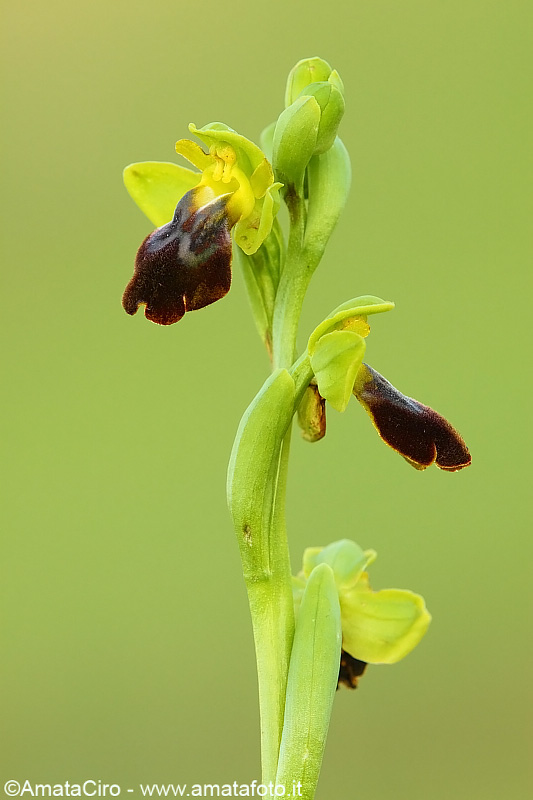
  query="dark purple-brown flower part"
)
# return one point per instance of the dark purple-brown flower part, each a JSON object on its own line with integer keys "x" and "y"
{"x": 312, "y": 414}
{"x": 350, "y": 670}
{"x": 185, "y": 264}
{"x": 417, "y": 432}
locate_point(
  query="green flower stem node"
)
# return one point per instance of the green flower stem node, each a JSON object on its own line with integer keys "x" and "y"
{"x": 335, "y": 361}
{"x": 294, "y": 142}
{"x": 253, "y": 469}
{"x": 331, "y": 102}
{"x": 304, "y": 73}
{"x": 157, "y": 186}
{"x": 329, "y": 177}
{"x": 312, "y": 682}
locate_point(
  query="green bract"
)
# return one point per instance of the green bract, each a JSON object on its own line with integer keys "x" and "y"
{"x": 377, "y": 627}
{"x": 329, "y": 177}
{"x": 313, "y": 673}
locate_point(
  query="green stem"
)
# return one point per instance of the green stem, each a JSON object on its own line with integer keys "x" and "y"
{"x": 272, "y": 610}
{"x": 270, "y": 593}
{"x": 292, "y": 287}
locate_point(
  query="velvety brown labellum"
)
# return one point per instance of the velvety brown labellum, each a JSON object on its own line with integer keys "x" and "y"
{"x": 185, "y": 264}
{"x": 417, "y": 432}
{"x": 350, "y": 670}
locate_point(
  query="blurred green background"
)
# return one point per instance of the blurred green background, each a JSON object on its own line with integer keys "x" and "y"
{"x": 127, "y": 654}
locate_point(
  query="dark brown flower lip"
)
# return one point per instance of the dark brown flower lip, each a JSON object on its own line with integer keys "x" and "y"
{"x": 183, "y": 265}
{"x": 350, "y": 670}
{"x": 417, "y": 432}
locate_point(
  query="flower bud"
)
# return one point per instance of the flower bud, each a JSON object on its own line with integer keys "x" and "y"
{"x": 305, "y": 72}
{"x": 331, "y": 102}
{"x": 295, "y": 140}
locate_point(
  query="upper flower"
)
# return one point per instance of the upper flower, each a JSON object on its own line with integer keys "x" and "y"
{"x": 186, "y": 263}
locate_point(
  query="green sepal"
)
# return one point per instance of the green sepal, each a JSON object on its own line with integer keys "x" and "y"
{"x": 312, "y": 682}
{"x": 381, "y": 627}
{"x": 253, "y": 467}
{"x": 331, "y": 102}
{"x": 335, "y": 361}
{"x": 357, "y": 307}
{"x": 158, "y": 186}
{"x": 305, "y": 72}
{"x": 346, "y": 559}
{"x": 329, "y": 177}
{"x": 294, "y": 141}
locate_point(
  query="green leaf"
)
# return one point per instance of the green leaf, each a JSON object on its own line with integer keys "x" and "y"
{"x": 346, "y": 559}
{"x": 157, "y": 187}
{"x": 381, "y": 627}
{"x": 335, "y": 361}
{"x": 358, "y": 307}
{"x": 253, "y": 468}
{"x": 313, "y": 673}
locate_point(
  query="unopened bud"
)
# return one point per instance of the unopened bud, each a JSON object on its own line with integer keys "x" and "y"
{"x": 331, "y": 102}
